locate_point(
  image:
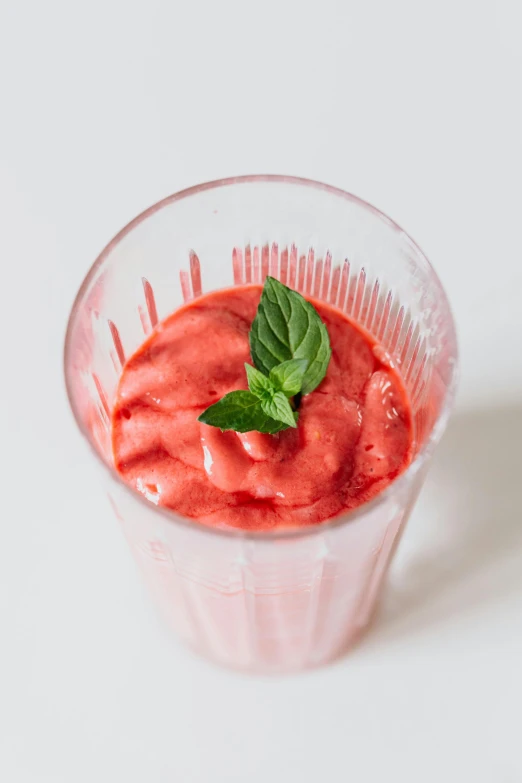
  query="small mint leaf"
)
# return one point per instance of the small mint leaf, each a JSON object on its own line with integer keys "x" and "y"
{"x": 241, "y": 411}
{"x": 286, "y": 327}
{"x": 288, "y": 376}
{"x": 278, "y": 407}
{"x": 258, "y": 383}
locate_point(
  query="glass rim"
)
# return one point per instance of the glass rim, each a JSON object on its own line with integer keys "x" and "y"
{"x": 272, "y": 534}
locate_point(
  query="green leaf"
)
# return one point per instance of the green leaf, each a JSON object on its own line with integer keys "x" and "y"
{"x": 288, "y": 376}
{"x": 291, "y": 351}
{"x": 241, "y": 411}
{"x": 258, "y": 383}
{"x": 278, "y": 407}
{"x": 286, "y": 327}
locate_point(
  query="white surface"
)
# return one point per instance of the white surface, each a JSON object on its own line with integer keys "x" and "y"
{"x": 109, "y": 106}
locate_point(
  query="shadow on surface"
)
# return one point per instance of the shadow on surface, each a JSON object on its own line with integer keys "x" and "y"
{"x": 472, "y": 503}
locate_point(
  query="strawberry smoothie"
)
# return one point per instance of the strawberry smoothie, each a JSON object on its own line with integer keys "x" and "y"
{"x": 354, "y": 434}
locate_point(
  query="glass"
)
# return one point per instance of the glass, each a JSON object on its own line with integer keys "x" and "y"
{"x": 272, "y": 601}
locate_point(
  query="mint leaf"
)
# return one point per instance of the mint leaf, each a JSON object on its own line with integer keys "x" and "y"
{"x": 286, "y": 327}
{"x": 241, "y": 411}
{"x": 291, "y": 350}
{"x": 273, "y": 400}
{"x": 288, "y": 376}
{"x": 258, "y": 383}
{"x": 278, "y": 407}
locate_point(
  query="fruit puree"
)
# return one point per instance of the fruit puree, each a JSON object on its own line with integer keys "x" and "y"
{"x": 354, "y": 434}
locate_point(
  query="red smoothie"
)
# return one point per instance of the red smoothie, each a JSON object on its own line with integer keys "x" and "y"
{"x": 354, "y": 434}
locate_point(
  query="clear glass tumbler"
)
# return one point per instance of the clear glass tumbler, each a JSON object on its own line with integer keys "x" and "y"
{"x": 268, "y": 601}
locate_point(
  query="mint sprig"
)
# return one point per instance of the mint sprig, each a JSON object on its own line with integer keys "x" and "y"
{"x": 291, "y": 350}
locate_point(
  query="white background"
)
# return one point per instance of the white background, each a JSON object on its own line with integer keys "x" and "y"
{"x": 106, "y": 107}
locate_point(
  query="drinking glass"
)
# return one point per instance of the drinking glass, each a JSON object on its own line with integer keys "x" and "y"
{"x": 283, "y": 599}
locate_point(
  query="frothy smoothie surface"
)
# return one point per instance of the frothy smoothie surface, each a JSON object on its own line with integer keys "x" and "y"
{"x": 354, "y": 434}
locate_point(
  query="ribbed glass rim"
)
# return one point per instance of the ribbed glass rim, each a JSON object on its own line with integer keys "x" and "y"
{"x": 276, "y": 534}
